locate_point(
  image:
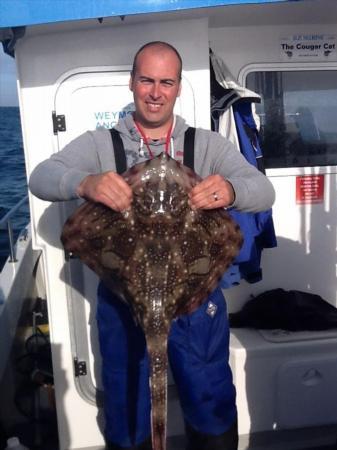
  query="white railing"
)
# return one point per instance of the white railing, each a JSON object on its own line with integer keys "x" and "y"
{"x": 6, "y": 223}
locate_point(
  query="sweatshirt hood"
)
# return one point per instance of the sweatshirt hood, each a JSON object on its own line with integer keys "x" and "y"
{"x": 126, "y": 126}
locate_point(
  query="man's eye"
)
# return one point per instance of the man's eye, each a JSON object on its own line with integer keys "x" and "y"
{"x": 168, "y": 83}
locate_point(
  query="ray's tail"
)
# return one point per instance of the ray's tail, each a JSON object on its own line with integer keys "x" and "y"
{"x": 157, "y": 349}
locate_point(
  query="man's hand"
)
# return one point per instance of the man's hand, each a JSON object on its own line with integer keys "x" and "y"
{"x": 108, "y": 188}
{"x": 212, "y": 192}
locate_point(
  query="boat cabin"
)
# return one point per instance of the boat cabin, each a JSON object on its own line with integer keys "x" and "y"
{"x": 73, "y": 66}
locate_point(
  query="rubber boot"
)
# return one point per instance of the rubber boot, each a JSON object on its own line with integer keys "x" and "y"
{"x": 146, "y": 445}
{"x": 201, "y": 441}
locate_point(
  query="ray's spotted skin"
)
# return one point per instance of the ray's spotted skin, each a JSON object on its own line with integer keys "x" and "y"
{"x": 164, "y": 257}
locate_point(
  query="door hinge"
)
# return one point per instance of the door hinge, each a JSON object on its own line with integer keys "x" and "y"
{"x": 80, "y": 368}
{"x": 59, "y": 122}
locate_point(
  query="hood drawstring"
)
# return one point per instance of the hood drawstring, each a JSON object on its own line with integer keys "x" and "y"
{"x": 141, "y": 148}
{"x": 172, "y": 152}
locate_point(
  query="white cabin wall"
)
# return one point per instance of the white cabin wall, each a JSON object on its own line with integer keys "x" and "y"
{"x": 241, "y": 46}
{"x": 306, "y": 233}
{"x": 269, "y": 375}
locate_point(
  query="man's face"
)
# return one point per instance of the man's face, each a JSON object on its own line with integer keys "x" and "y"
{"x": 155, "y": 86}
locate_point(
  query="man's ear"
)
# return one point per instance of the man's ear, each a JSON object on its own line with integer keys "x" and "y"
{"x": 130, "y": 83}
{"x": 179, "y": 90}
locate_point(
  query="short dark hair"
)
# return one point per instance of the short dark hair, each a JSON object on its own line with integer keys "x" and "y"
{"x": 159, "y": 44}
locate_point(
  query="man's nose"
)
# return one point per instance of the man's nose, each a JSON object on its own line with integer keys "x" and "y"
{"x": 155, "y": 91}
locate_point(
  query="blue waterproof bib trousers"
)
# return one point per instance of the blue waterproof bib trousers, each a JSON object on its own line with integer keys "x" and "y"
{"x": 198, "y": 350}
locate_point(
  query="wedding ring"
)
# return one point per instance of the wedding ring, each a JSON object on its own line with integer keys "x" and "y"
{"x": 215, "y": 196}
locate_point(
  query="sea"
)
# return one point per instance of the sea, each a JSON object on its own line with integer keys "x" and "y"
{"x": 13, "y": 184}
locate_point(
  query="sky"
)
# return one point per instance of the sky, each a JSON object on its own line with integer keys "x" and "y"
{"x": 8, "y": 92}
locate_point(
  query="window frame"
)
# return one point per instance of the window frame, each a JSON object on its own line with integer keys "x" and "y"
{"x": 290, "y": 67}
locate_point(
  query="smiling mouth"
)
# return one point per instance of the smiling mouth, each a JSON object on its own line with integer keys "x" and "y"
{"x": 153, "y": 106}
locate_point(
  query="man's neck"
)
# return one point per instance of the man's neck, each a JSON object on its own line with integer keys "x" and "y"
{"x": 155, "y": 132}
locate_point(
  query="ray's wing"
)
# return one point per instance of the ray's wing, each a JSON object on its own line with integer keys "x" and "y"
{"x": 102, "y": 238}
{"x": 208, "y": 248}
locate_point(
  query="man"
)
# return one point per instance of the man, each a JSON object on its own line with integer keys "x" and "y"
{"x": 199, "y": 343}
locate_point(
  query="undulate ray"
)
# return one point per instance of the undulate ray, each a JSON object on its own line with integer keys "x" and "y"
{"x": 164, "y": 257}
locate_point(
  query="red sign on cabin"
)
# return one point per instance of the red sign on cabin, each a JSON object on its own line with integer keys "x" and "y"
{"x": 309, "y": 189}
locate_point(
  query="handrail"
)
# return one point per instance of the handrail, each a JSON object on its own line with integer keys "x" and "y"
{"x": 5, "y": 222}
{"x": 11, "y": 212}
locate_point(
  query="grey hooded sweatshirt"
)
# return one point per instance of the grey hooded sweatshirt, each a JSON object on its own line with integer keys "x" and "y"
{"x": 58, "y": 177}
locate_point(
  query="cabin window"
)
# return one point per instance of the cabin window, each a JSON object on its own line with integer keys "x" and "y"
{"x": 298, "y": 115}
